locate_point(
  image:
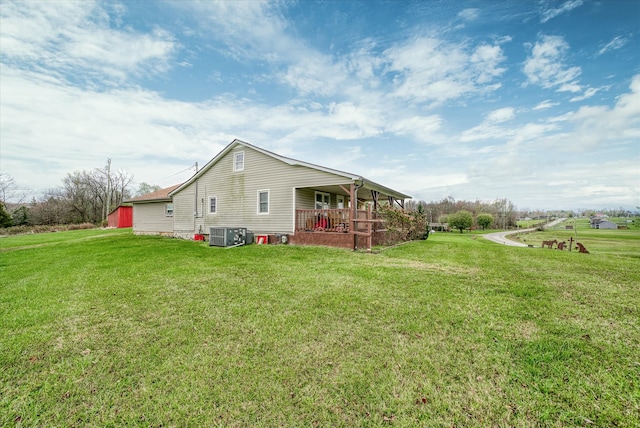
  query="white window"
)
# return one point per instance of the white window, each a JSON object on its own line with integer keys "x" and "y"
{"x": 213, "y": 204}
{"x": 168, "y": 210}
{"x": 322, "y": 201}
{"x": 263, "y": 202}
{"x": 238, "y": 161}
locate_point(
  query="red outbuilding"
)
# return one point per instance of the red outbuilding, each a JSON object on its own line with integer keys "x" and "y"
{"x": 121, "y": 217}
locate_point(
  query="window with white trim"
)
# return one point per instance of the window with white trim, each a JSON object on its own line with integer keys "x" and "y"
{"x": 213, "y": 205}
{"x": 263, "y": 202}
{"x": 238, "y": 161}
{"x": 323, "y": 201}
{"x": 168, "y": 210}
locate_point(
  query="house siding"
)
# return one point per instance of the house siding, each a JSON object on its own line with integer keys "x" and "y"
{"x": 306, "y": 199}
{"x": 237, "y": 194}
{"x": 151, "y": 219}
{"x": 184, "y": 206}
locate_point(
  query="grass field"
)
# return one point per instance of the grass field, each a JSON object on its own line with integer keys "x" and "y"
{"x": 103, "y": 328}
{"x": 619, "y": 243}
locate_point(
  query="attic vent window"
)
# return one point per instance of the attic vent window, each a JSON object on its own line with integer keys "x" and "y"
{"x": 238, "y": 161}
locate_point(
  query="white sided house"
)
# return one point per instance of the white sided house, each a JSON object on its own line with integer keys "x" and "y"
{"x": 153, "y": 213}
{"x": 269, "y": 194}
{"x": 601, "y": 223}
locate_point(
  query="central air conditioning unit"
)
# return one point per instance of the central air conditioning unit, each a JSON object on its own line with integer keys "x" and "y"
{"x": 227, "y": 236}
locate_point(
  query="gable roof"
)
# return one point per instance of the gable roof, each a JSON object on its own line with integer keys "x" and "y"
{"x": 294, "y": 162}
{"x": 158, "y": 195}
{"x": 124, "y": 205}
{"x": 604, "y": 221}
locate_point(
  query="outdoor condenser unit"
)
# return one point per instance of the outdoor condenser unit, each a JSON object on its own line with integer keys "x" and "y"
{"x": 227, "y": 236}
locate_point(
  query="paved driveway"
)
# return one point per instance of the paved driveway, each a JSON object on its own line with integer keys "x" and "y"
{"x": 501, "y": 237}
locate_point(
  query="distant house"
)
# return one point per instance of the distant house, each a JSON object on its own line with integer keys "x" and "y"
{"x": 153, "y": 213}
{"x": 601, "y": 223}
{"x": 120, "y": 217}
{"x": 269, "y": 194}
{"x": 442, "y": 227}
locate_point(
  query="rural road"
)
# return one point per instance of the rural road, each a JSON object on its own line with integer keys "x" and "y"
{"x": 501, "y": 237}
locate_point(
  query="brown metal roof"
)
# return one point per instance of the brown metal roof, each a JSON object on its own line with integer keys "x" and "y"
{"x": 159, "y": 195}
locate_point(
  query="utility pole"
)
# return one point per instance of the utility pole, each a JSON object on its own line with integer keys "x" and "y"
{"x": 107, "y": 199}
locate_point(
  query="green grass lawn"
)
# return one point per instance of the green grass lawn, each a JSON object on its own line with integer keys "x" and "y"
{"x": 619, "y": 243}
{"x": 103, "y": 328}
{"x": 524, "y": 224}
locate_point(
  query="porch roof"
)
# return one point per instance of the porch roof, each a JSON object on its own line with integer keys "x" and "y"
{"x": 364, "y": 192}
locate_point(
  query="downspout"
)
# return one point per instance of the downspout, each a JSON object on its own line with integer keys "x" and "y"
{"x": 354, "y": 204}
{"x": 195, "y": 202}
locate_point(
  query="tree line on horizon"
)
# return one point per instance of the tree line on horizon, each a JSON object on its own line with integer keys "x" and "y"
{"x": 84, "y": 197}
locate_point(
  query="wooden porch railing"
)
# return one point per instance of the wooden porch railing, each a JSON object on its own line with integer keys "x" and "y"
{"x": 338, "y": 220}
{"x": 314, "y": 225}
{"x": 335, "y": 220}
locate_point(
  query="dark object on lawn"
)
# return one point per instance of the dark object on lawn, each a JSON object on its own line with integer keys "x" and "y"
{"x": 561, "y": 245}
{"x": 581, "y": 248}
{"x": 549, "y": 244}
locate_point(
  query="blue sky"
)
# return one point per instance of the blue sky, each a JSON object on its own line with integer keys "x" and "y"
{"x": 534, "y": 101}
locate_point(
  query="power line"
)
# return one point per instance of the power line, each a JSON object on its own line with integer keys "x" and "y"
{"x": 192, "y": 167}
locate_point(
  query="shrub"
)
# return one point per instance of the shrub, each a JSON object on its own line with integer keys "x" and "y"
{"x": 404, "y": 225}
{"x": 461, "y": 220}
{"x": 19, "y": 230}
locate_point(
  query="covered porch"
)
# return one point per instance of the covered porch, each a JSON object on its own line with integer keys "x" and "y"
{"x": 343, "y": 216}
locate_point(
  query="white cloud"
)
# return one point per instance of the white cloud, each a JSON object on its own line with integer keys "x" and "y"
{"x": 76, "y": 39}
{"x": 489, "y": 129}
{"x": 588, "y": 93}
{"x": 545, "y": 65}
{"x": 486, "y": 60}
{"x": 582, "y": 131}
{"x": 431, "y": 70}
{"x": 249, "y": 29}
{"x": 425, "y": 70}
{"x": 529, "y": 157}
{"x": 79, "y": 128}
{"x": 501, "y": 115}
{"x": 470, "y": 14}
{"x": 484, "y": 131}
{"x": 423, "y": 128}
{"x": 546, "y": 104}
{"x": 604, "y": 126}
{"x": 365, "y": 65}
{"x": 614, "y": 44}
{"x": 548, "y": 14}
{"x": 314, "y": 75}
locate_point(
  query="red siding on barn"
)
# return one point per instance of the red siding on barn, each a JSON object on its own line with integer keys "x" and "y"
{"x": 121, "y": 217}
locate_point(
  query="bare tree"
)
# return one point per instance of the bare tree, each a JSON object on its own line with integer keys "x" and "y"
{"x": 9, "y": 191}
{"x": 120, "y": 188}
{"x": 52, "y": 209}
{"x": 145, "y": 188}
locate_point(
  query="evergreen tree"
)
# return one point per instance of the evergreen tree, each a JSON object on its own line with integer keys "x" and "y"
{"x": 5, "y": 218}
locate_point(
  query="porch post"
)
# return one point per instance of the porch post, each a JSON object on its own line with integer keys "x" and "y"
{"x": 354, "y": 213}
{"x": 369, "y": 229}
{"x": 375, "y": 194}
